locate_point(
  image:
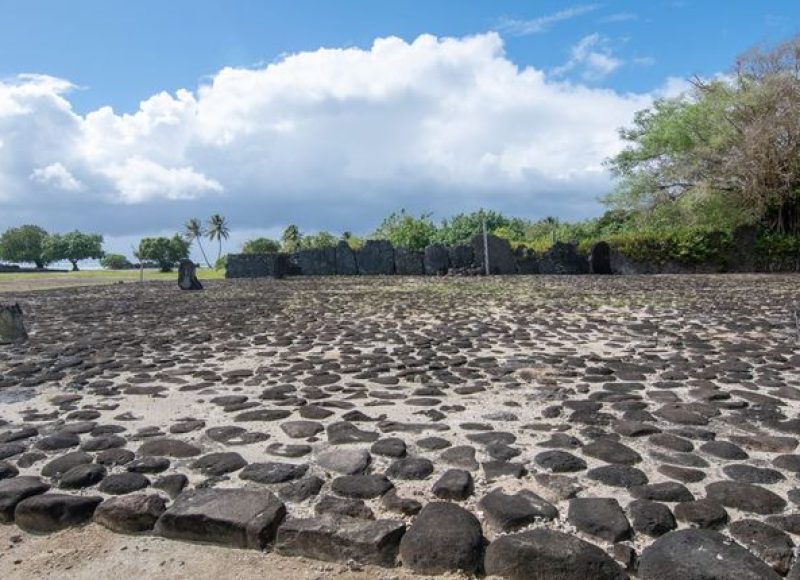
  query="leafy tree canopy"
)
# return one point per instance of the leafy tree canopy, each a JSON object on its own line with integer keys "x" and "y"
{"x": 73, "y": 247}
{"x": 24, "y": 244}
{"x": 261, "y": 246}
{"x": 166, "y": 252}
{"x": 727, "y": 153}
{"x": 406, "y": 231}
{"x": 115, "y": 262}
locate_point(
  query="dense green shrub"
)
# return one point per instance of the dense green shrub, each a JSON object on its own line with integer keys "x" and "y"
{"x": 115, "y": 262}
{"x": 687, "y": 247}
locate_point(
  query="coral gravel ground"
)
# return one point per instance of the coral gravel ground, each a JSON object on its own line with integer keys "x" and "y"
{"x": 600, "y": 416}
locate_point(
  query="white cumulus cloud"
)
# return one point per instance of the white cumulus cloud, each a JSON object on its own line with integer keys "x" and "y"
{"x": 331, "y": 138}
{"x": 56, "y": 175}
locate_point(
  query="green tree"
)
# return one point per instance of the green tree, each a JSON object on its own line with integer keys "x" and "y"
{"x": 406, "y": 231}
{"x": 725, "y": 153}
{"x": 73, "y": 247}
{"x": 291, "y": 238}
{"x": 318, "y": 240}
{"x": 115, "y": 262}
{"x": 24, "y": 244}
{"x": 462, "y": 227}
{"x": 261, "y": 246}
{"x": 166, "y": 252}
{"x": 194, "y": 231}
{"x": 218, "y": 230}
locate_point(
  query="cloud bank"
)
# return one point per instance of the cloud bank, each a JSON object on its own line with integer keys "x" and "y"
{"x": 333, "y": 138}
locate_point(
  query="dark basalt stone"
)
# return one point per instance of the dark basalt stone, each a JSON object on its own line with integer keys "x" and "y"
{"x": 698, "y": 555}
{"x": 443, "y": 538}
{"x": 52, "y": 512}
{"x": 187, "y": 276}
{"x": 544, "y": 553}
{"x": 239, "y": 518}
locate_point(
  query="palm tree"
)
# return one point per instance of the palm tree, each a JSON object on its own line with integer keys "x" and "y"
{"x": 193, "y": 230}
{"x": 218, "y": 230}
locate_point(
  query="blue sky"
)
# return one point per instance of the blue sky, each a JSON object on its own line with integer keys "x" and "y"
{"x": 365, "y": 121}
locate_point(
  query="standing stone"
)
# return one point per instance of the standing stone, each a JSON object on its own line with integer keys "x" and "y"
{"x": 376, "y": 258}
{"x": 316, "y": 261}
{"x": 345, "y": 260}
{"x": 408, "y": 262}
{"x": 563, "y": 258}
{"x": 501, "y": 258}
{"x": 12, "y": 327}
{"x": 239, "y": 518}
{"x": 437, "y": 260}
{"x": 462, "y": 256}
{"x": 600, "y": 258}
{"x": 187, "y": 276}
{"x": 443, "y": 538}
{"x": 341, "y": 538}
{"x": 273, "y": 264}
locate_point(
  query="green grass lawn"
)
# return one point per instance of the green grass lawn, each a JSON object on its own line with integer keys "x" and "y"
{"x": 19, "y": 282}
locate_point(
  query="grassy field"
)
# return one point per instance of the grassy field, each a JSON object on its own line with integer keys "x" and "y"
{"x": 23, "y": 282}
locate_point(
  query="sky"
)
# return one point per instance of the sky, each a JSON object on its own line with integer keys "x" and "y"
{"x": 128, "y": 118}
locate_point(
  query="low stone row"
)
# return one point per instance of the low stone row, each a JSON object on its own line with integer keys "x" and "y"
{"x": 443, "y": 537}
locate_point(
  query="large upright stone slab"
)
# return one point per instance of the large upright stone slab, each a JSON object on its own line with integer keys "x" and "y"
{"x": 12, "y": 327}
{"x": 501, "y": 257}
{"x": 437, "y": 260}
{"x": 345, "y": 260}
{"x": 563, "y": 258}
{"x": 408, "y": 262}
{"x": 462, "y": 256}
{"x": 316, "y": 261}
{"x": 600, "y": 258}
{"x": 274, "y": 265}
{"x": 340, "y": 539}
{"x": 239, "y": 518}
{"x": 376, "y": 258}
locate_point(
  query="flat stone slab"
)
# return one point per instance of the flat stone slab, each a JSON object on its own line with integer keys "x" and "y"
{"x": 700, "y": 555}
{"x": 130, "y": 514}
{"x": 51, "y": 512}
{"x": 340, "y": 539}
{"x": 239, "y": 518}
{"x": 551, "y": 555}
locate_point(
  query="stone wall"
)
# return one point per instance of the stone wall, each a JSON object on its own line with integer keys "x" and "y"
{"x": 275, "y": 265}
{"x": 379, "y": 257}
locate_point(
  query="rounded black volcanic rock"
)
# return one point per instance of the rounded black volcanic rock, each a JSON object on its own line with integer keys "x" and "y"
{"x": 550, "y": 554}
{"x": 559, "y": 461}
{"x": 699, "y": 555}
{"x": 443, "y": 538}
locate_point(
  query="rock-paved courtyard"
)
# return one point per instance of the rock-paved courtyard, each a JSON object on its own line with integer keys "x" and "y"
{"x": 525, "y": 427}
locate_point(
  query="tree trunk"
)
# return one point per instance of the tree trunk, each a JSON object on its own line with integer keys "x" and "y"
{"x": 39, "y": 264}
{"x": 202, "y": 251}
{"x": 74, "y": 265}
